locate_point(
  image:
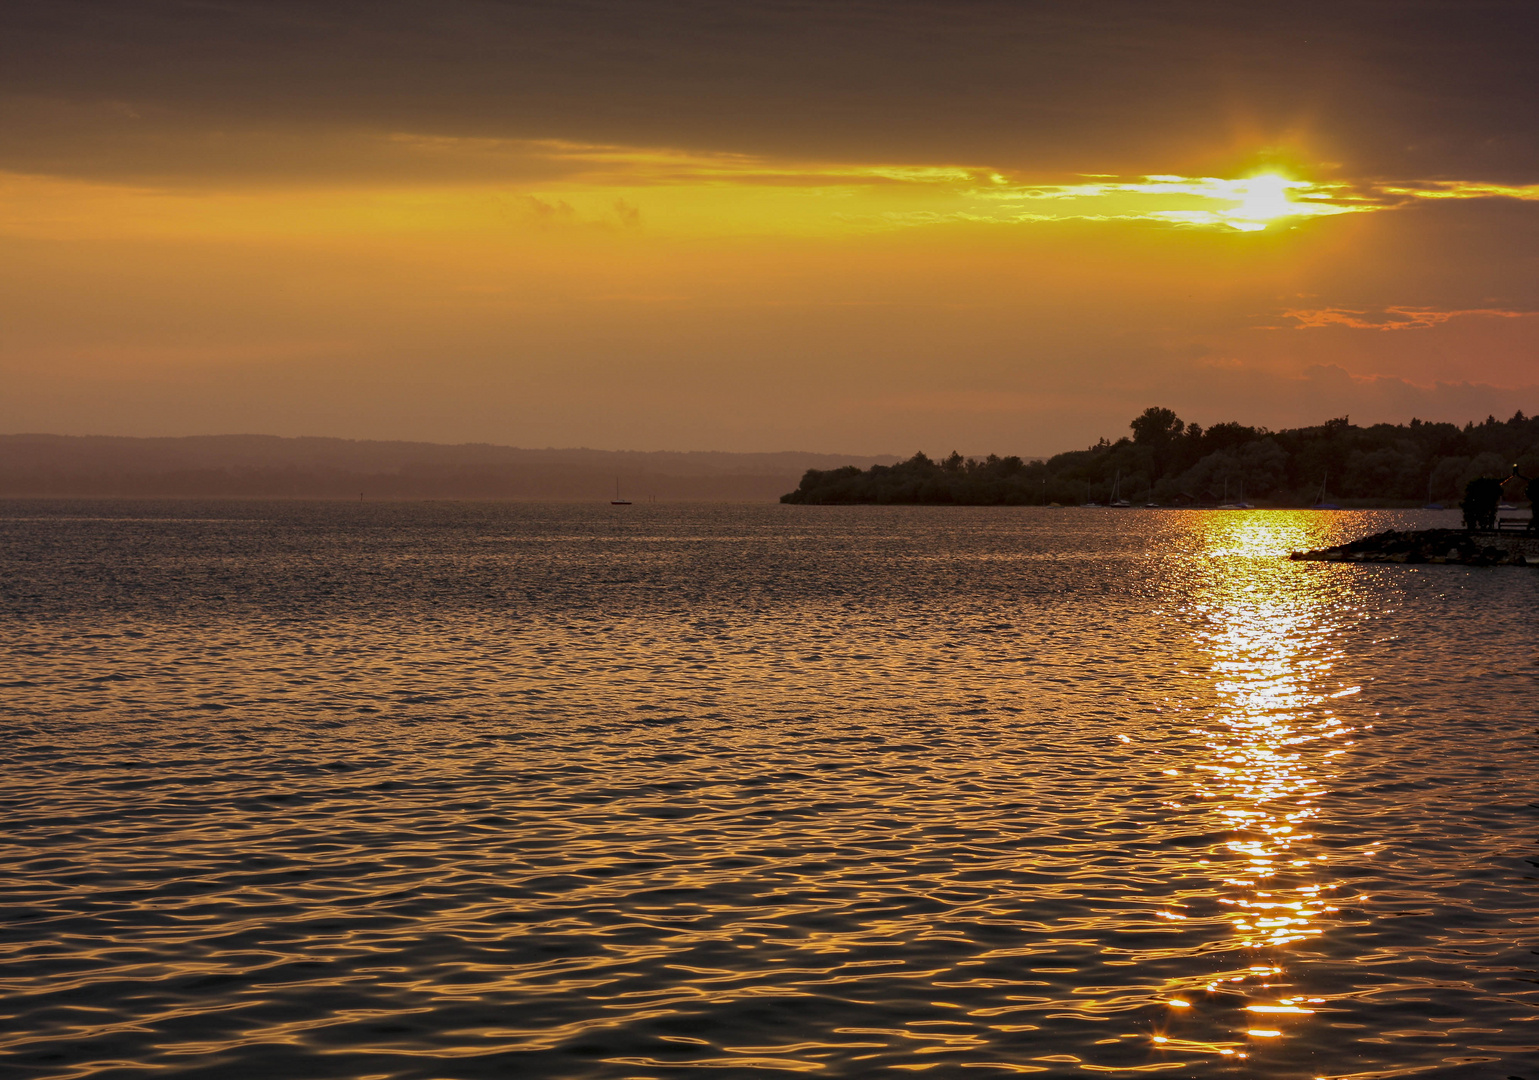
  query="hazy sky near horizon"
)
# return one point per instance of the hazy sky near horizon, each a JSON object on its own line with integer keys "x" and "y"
{"x": 841, "y": 226}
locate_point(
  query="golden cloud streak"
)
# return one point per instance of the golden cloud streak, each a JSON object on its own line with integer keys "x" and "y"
{"x": 406, "y": 183}
{"x": 982, "y": 195}
{"x": 1462, "y": 189}
{"x": 1393, "y": 318}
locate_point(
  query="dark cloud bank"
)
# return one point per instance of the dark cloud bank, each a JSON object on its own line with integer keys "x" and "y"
{"x": 1390, "y": 87}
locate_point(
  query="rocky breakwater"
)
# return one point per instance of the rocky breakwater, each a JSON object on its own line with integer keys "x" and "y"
{"x": 1435, "y": 546}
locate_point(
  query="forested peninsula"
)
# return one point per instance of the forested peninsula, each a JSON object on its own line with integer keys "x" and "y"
{"x": 1172, "y": 463}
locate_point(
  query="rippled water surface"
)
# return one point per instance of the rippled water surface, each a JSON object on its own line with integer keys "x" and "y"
{"x": 456, "y": 791}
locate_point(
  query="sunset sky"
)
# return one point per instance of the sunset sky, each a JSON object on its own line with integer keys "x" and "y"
{"x": 839, "y": 226}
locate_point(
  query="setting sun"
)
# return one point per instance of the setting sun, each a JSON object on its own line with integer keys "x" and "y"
{"x": 1262, "y": 199}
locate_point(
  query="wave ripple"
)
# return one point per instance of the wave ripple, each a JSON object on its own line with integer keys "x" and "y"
{"x": 439, "y": 792}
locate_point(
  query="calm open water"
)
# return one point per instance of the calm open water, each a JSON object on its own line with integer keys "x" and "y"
{"x": 444, "y": 791}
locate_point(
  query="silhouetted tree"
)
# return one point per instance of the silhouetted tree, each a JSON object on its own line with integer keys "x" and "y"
{"x": 1156, "y": 426}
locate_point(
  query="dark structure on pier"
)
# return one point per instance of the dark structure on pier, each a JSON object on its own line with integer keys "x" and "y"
{"x": 1482, "y": 498}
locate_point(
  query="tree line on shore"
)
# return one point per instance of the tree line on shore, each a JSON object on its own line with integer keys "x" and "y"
{"x": 1173, "y": 463}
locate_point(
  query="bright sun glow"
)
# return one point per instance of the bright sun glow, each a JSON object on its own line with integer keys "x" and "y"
{"x": 1256, "y": 200}
{"x": 1262, "y": 199}
{"x": 1247, "y": 204}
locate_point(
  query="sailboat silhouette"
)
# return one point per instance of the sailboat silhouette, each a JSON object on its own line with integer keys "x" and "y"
{"x": 1238, "y": 504}
{"x": 1320, "y": 503}
{"x": 1116, "y": 495}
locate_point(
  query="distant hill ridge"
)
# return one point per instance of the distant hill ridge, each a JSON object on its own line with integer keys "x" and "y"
{"x": 272, "y": 466}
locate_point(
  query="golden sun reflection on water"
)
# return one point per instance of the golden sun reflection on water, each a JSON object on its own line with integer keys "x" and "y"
{"x": 1271, "y": 739}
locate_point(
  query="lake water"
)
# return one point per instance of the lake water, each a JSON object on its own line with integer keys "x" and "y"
{"x": 443, "y": 791}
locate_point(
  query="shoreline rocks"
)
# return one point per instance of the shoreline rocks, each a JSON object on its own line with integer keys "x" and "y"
{"x": 1455, "y": 546}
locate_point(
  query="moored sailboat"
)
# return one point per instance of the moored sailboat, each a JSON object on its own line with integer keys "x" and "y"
{"x": 1238, "y": 504}
{"x": 1320, "y": 503}
{"x": 1116, "y": 493}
